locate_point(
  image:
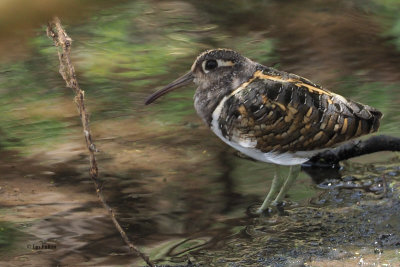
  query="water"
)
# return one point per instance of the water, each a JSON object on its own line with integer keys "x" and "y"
{"x": 178, "y": 191}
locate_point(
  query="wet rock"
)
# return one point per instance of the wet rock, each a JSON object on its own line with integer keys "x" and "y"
{"x": 348, "y": 178}
{"x": 330, "y": 184}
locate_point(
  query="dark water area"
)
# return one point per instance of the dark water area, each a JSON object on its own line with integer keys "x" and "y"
{"x": 179, "y": 192}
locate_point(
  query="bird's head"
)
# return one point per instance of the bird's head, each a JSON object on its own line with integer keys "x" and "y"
{"x": 213, "y": 70}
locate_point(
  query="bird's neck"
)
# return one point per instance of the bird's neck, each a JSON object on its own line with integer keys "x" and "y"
{"x": 206, "y": 100}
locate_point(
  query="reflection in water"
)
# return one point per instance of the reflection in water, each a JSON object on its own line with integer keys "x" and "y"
{"x": 178, "y": 191}
{"x": 319, "y": 175}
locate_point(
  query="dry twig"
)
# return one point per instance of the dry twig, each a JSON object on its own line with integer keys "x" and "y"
{"x": 67, "y": 71}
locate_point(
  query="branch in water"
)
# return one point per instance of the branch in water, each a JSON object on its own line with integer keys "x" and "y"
{"x": 353, "y": 149}
{"x": 67, "y": 71}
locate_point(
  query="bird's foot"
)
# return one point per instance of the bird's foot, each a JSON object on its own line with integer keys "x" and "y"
{"x": 255, "y": 211}
{"x": 274, "y": 208}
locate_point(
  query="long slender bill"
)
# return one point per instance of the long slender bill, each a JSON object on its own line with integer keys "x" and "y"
{"x": 181, "y": 81}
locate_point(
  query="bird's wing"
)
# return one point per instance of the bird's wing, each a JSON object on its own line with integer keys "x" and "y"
{"x": 277, "y": 111}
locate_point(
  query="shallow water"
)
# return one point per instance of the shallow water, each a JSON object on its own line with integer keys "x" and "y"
{"x": 179, "y": 192}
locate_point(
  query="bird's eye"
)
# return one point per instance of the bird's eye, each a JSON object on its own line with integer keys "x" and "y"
{"x": 211, "y": 64}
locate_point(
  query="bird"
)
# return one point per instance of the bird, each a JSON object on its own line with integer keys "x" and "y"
{"x": 270, "y": 115}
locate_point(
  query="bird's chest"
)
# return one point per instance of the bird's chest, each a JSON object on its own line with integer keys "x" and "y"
{"x": 222, "y": 114}
{"x": 230, "y": 122}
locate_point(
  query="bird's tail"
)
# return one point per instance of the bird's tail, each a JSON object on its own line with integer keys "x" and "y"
{"x": 368, "y": 117}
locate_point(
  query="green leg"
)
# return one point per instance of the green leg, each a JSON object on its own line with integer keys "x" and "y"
{"x": 276, "y": 184}
{"x": 293, "y": 174}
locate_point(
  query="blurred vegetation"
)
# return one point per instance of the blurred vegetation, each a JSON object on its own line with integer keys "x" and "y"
{"x": 7, "y": 236}
{"x": 389, "y": 11}
{"x": 25, "y": 106}
{"x": 121, "y": 54}
{"x": 125, "y": 52}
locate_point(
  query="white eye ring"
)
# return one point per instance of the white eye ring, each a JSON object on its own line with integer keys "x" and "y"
{"x": 221, "y": 63}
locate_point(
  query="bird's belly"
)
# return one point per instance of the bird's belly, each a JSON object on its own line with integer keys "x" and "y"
{"x": 286, "y": 158}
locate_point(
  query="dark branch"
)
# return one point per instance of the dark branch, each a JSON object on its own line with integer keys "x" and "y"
{"x": 353, "y": 149}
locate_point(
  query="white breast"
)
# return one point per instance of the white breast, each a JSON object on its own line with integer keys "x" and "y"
{"x": 247, "y": 146}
